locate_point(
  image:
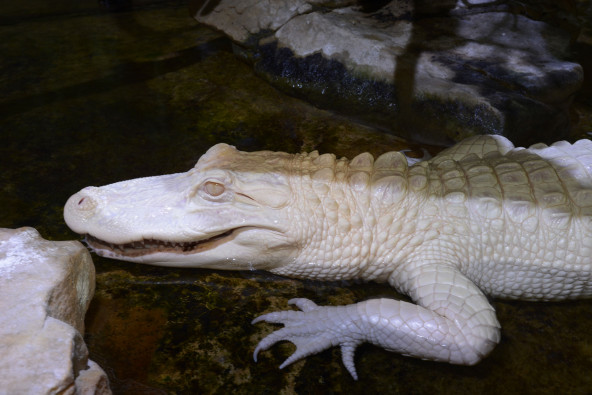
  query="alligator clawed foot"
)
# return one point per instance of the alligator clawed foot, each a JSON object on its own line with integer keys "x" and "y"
{"x": 313, "y": 329}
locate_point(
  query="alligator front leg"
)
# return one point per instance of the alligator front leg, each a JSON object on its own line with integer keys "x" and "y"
{"x": 452, "y": 322}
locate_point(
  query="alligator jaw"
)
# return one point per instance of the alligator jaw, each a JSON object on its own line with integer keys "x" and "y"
{"x": 144, "y": 247}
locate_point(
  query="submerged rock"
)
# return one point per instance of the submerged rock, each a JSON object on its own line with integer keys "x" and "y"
{"x": 45, "y": 290}
{"x": 434, "y": 72}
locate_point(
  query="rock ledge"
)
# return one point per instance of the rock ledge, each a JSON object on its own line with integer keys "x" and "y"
{"x": 45, "y": 290}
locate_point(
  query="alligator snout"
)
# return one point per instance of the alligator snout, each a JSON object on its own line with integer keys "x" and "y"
{"x": 80, "y": 207}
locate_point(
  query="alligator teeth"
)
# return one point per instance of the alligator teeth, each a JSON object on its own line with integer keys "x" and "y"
{"x": 143, "y": 247}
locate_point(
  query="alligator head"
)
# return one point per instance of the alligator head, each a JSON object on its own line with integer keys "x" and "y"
{"x": 227, "y": 206}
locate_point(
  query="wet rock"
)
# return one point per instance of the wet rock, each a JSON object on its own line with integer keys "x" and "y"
{"x": 434, "y": 72}
{"x": 573, "y": 16}
{"x": 45, "y": 289}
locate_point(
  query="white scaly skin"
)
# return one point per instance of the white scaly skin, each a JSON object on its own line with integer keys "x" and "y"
{"x": 479, "y": 217}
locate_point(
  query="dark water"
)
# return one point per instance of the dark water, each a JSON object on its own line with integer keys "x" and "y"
{"x": 91, "y": 97}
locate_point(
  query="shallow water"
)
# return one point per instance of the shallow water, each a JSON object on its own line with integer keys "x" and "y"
{"x": 91, "y": 97}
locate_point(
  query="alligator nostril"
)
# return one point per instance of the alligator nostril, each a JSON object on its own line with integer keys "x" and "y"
{"x": 80, "y": 208}
{"x": 83, "y": 202}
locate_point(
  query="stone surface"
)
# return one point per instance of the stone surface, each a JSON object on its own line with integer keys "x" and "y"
{"x": 435, "y": 72}
{"x": 92, "y": 380}
{"x": 574, "y": 16}
{"x": 45, "y": 290}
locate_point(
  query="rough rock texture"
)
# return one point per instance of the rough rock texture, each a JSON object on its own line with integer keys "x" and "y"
{"x": 433, "y": 71}
{"x": 574, "y": 16}
{"x": 45, "y": 289}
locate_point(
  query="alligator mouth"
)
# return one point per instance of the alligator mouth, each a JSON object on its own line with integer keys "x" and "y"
{"x": 151, "y": 246}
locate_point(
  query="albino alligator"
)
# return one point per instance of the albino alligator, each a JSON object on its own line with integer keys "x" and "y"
{"x": 480, "y": 218}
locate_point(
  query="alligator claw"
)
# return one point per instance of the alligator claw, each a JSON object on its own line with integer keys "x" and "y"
{"x": 313, "y": 329}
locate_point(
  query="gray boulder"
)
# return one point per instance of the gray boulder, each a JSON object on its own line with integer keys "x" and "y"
{"x": 434, "y": 72}
{"x": 45, "y": 289}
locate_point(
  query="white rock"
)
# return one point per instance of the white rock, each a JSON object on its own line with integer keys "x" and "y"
{"x": 243, "y": 18}
{"x": 45, "y": 290}
{"x": 444, "y": 70}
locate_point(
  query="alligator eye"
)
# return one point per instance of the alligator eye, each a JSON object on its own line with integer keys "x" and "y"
{"x": 214, "y": 188}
